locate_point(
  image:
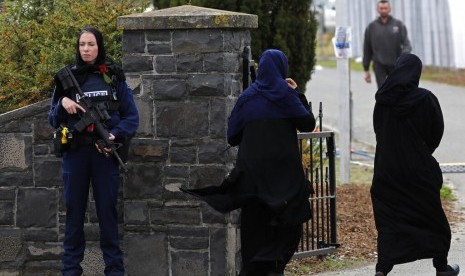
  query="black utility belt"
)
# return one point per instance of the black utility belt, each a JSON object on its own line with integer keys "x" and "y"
{"x": 83, "y": 140}
{"x": 63, "y": 140}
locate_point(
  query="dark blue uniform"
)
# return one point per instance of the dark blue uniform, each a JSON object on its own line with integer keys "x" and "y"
{"x": 83, "y": 165}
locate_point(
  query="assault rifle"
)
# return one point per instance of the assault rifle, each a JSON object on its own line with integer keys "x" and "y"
{"x": 95, "y": 114}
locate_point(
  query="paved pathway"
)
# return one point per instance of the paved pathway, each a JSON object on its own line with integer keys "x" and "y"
{"x": 323, "y": 88}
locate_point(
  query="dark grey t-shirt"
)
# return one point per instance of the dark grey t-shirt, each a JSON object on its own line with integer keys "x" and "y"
{"x": 384, "y": 43}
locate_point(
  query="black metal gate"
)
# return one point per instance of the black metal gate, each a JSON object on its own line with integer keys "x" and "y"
{"x": 318, "y": 153}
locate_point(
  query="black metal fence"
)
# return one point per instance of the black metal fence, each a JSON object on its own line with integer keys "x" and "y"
{"x": 318, "y": 157}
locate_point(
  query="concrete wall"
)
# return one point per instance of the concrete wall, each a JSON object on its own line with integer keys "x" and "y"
{"x": 184, "y": 66}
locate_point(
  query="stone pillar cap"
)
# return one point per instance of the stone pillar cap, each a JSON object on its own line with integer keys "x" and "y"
{"x": 187, "y": 17}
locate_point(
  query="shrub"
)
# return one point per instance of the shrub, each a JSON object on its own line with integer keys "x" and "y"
{"x": 38, "y": 37}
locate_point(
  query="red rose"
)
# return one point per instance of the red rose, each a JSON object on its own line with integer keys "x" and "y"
{"x": 103, "y": 68}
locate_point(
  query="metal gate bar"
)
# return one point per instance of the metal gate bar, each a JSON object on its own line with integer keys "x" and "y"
{"x": 318, "y": 157}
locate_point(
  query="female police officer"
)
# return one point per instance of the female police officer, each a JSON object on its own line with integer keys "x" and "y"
{"x": 103, "y": 82}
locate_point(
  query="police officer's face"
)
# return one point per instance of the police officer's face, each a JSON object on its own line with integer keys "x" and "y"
{"x": 384, "y": 9}
{"x": 88, "y": 48}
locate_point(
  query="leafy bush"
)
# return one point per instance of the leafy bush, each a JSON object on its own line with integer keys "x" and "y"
{"x": 38, "y": 37}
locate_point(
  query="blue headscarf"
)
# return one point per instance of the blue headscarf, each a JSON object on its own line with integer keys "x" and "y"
{"x": 269, "y": 97}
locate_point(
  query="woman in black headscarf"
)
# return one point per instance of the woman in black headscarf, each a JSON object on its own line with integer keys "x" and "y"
{"x": 407, "y": 179}
{"x": 103, "y": 82}
{"x": 269, "y": 185}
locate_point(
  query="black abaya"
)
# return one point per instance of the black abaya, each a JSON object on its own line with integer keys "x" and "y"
{"x": 407, "y": 179}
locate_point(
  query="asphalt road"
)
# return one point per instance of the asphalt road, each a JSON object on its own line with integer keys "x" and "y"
{"x": 323, "y": 88}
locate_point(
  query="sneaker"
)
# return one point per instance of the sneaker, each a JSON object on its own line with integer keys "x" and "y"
{"x": 379, "y": 273}
{"x": 452, "y": 270}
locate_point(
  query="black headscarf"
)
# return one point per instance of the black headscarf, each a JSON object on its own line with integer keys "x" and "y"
{"x": 400, "y": 89}
{"x": 101, "y": 57}
{"x": 83, "y": 69}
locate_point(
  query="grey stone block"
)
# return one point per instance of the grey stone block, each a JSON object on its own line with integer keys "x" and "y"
{"x": 43, "y": 131}
{"x": 133, "y": 42}
{"x": 177, "y": 171}
{"x": 18, "y": 125}
{"x": 235, "y": 41}
{"x": 144, "y": 181}
{"x": 149, "y": 150}
{"x": 186, "y": 154}
{"x": 48, "y": 172}
{"x": 202, "y": 176}
{"x": 218, "y": 119}
{"x": 197, "y": 41}
{"x": 191, "y": 231}
{"x": 7, "y": 213}
{"x": 43, "y": 149}
{"x": 214, "y": 63}
{"x": 189, "y": 118}
{"x": 212, "y": 152}
{"x": 92, "y": 232}
{"x": 165, "y": 64}
{"x": 40, "y": 235}
{"x": 232, "y": 63}
{"x": 172, "y": 215}
{"x": 206, "y": 84}
{"x": 159, "y": 49}
{"x": 145, "y": 109}
{"x": 42, "y": 267}
{"x": 147, "y": 254}
{"x": 159, "y": 36}
{"x": 37, "y": 207}
{"x": 189, "y": 63}
{"x": 16, "y": 179}
{"x": 136, "y": 213}
{"x": 218, "y": 248}
{"x": 169, "y": 89}
{"x": 189, "y": 263}
{"x": 7, "y": 193}
{"x": 190, "y": 243}
{"x": 134, "y": 63}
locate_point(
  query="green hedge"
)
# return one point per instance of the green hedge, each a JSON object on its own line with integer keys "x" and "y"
{"x": 38, "y": 37}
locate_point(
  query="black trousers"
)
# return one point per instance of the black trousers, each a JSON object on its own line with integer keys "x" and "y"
{"x": 381, "y": 72}
{"x": 265, "y": 248}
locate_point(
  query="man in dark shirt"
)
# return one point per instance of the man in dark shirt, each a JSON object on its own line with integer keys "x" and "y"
{"x": 385, "y": 40}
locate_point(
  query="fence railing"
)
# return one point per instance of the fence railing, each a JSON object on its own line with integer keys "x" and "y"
{"x": 318, "y": 156}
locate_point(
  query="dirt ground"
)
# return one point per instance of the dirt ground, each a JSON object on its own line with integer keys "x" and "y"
{"x": 356, "y": 232}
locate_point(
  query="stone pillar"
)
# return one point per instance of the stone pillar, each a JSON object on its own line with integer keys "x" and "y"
{"x": 184, "y": 65}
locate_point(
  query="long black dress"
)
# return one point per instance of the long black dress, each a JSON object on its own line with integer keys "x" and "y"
{"x": 407, "y": 179}
{"x": 270, "y": 186}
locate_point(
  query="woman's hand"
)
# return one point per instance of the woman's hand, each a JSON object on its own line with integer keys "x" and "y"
{"x": 71, "y": 106}
{"x": 111, "y": 137}
{"x": 291, "y": 83}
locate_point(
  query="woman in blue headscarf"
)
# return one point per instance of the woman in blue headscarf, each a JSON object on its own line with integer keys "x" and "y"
{"x": 407, "y": 178}
{"x": 269, "y": 185}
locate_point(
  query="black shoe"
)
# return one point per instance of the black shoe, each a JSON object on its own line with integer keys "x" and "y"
{"x": 452, "y": 270}
{"x": 379, "y": 273}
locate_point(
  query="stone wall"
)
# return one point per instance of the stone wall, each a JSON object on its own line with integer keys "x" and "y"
{"x": 184, "y": 66}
